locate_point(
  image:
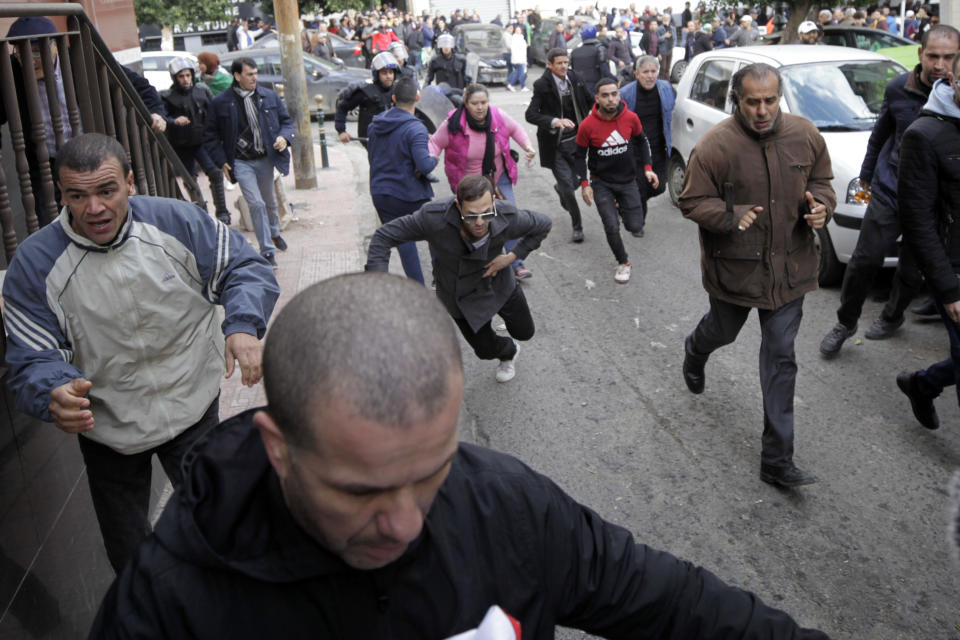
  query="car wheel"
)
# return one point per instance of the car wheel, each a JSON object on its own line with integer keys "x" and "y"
{"x": 831, "y": 269}
{"x": 676, "y": 173}
{"x": 677, "y": 72}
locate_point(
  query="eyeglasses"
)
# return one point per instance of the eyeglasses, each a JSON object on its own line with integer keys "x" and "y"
{"x": 473, "y": 217}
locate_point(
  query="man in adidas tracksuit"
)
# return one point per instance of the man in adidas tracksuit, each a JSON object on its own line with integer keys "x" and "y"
{"x": 612, "y": 133}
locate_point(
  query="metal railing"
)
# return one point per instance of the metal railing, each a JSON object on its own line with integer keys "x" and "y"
{"x": 97, "y": 96}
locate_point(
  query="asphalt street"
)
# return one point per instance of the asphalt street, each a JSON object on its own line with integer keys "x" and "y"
{"x": 600, "y": 406}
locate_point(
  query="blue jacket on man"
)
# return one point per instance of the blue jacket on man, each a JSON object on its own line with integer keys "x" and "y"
{"x": 628, "y": 94}
{"x": 902, "y": 101}
{"x": 397, "y": 148}
{"x": 220, "y": 136}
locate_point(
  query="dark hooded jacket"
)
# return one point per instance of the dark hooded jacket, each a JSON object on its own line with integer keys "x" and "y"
{"x": 228, "y": 560}
{"x": 399, "y": 157}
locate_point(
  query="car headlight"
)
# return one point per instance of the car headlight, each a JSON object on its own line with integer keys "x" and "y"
{"x": 856, "y": 195}
{"x": 499, "y": 63}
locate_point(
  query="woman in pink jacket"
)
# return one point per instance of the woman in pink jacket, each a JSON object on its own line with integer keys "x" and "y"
{"x": 476, "y": 139}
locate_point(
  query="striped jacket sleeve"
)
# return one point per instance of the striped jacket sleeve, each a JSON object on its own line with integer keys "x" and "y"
{"x": 233, "y": 273}
{"x": 38, "y": 353}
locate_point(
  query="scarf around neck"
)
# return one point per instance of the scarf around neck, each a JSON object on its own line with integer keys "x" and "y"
{"x": 250, "y": 108}
{"x": 453, "y": 126}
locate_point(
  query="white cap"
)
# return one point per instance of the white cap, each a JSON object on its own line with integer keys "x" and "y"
{"x": 806, "y": 27}
{"x": 910, "y": 13}
{"x": 746, "y": 19}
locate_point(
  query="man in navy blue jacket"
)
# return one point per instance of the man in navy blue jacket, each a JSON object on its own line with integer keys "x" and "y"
{"x": 399, "y": 166}
{"x": 247, "y": 134}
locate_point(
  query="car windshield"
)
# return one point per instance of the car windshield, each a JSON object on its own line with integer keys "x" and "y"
{"x": 838, "y": 96}
{"x": 490, "y": 38}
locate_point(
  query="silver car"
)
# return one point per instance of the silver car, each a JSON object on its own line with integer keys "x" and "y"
{"x": 839, "y": 89}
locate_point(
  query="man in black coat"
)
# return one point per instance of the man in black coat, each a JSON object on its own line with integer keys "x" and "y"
{"x": 467, "y": 237}
{"x": 346, "y": 508}
{"x": 929, "y": 188}
{"x": 903, "y": 99}
{"x": 560, "y": 102}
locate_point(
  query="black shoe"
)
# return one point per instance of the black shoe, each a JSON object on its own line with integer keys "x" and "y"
{"x": 831, "y": 343}
{"x": 787, "y": 477}
{"x": 926, "y": 308}
{"x": 637, "y": 234}
{"x": 882, "y": 329}
{"x": 923, "y": 409}
{"x": 224, "y": 218}
{"x": 279, "y": 243}
{"x": 577, "y": 236}
{"x": 693, "y": 373}
{"x": 271, "y": 259}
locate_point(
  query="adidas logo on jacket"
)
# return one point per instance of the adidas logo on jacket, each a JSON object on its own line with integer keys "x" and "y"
{"x": 613, "y": 146}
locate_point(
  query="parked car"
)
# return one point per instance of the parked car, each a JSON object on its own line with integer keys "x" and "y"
{"x": 323, "y": 77}
{"x": 155, "y": 66}
{"x": 839, "y": 89}
{"x": 541, "y": 37}
{"x": 485, "y": 47}
{"x": 839, "y": 35}
{"x": 350, "y": 51}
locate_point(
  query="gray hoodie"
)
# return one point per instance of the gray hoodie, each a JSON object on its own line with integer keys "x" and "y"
{"x": 941, "y": 100}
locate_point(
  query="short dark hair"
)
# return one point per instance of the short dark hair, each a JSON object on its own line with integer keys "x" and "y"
{"x": 239, "y": 63}
{"x": 602, "y": 82}
{"x": 555, "y": 53}
{"x": 757, "y": 70}
{"x": 473, "y": 187}
{"x": 88, "y": 151}
{"x": 405, "y": 91}
{"x": 380, "y": 342}
{"x": 939, "y": 31}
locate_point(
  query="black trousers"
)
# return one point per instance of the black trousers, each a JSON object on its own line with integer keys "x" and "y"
{"x": 615, "y": 201}
{"x": 878, "y": 235}
{"x": 565, "y": 173}
{"x": 778, "y": 365}
{"x": 490, "y": 346}
{"x": 191, "y": 157}
{"x": 120, "y": 485}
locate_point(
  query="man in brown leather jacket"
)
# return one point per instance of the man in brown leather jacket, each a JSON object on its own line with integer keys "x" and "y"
{"x": 757, "y": 209}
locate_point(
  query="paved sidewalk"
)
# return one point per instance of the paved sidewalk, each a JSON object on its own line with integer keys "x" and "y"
{"x": 325, "y": 239}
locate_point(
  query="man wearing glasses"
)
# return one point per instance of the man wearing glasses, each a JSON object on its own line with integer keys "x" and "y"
{"x": 466, "y": 235}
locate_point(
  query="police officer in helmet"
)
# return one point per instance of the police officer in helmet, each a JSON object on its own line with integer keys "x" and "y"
{"x": 399, "y": 51}
{"x": 187, "y": 103}
{"x": 448, "y": 66}
{"x": 370, "y": 98}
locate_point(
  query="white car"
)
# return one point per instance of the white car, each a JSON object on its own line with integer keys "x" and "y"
{"x": 839, "y": 89}
{"x": 155, "y": 66}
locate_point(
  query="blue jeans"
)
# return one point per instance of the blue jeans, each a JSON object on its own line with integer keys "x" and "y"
{"x": 390, "y": 208}
{"x": 932, "y": 380}
{"x": 255, "y": 178}
{"x": 517, "y": 75}
{"x": 506, "y": 188}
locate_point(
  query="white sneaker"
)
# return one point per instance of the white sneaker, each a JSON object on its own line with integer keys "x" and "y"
{"x": 525, "y": 89}
{"x": 622, "y": 274}
{"x": 510, "y": 88}
{"x": 507, "y": 369}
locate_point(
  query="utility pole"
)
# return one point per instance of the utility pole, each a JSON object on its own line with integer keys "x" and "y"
{"x": 295, "y": 91}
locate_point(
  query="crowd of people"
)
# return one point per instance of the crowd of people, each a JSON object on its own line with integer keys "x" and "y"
{"x": 347, "y": 500}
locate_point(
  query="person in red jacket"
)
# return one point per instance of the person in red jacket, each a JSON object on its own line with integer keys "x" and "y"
{"x": 382, "y": 37}
{"x": 613, "y": 137}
